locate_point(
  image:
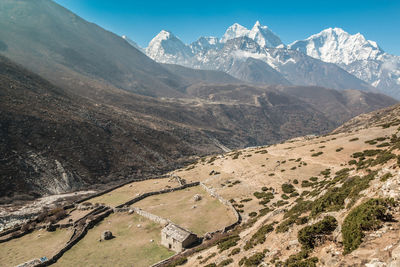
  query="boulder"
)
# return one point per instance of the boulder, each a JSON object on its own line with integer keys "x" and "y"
{"x": 197, "y": 197}
{"x": 106, "y": 235}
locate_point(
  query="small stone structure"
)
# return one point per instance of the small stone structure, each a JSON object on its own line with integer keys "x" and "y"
{"x": 176, "y": 238}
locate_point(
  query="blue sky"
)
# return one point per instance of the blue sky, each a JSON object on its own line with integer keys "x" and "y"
{"x": 377, "y": 20}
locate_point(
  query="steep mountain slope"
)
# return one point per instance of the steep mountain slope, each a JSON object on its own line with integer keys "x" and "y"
{"x": 192, "y": 76}
{"x": 360, "y": 57}
{"x": 65, "y": 142}
{"x": 71, "y": 52}
{"x": 238, "y": 51}
{"x": 331, "y": 200}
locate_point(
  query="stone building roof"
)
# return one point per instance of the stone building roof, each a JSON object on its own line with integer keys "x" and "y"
{"x": 176, "y": 232}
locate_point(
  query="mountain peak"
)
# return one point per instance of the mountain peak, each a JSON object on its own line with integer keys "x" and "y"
{"x": 335, "y": 45}
{"x": 259, "y": 33}
{"x": 234, "y": 31}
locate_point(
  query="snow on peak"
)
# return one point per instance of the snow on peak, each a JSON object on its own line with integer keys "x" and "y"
{"x": 264, "y": 36}
{"x": 260, "y": 34}
{"x": 335, "y": 45}
{"x": 165, "y": 47}
{"x": 203, "y": 44}
{"x": 234, "y": 31}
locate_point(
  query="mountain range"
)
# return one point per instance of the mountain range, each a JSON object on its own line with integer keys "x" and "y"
{"x": 332, "y": 58}
{"x": 81, "y": 106}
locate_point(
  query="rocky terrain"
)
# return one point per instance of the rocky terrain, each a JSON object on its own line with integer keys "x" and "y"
{"x": 330, "y": 200}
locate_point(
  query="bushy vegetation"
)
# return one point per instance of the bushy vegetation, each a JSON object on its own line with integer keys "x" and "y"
{"x": 259, "y": 236}
{"x": 228, "y": 242}
{"x": 385, "y": 177}
{"x": 354, "y": 139}
{"x": 365, "y": 217}
{"x": 334, "y": 198}
{"x": 177, "y": 262}
{"x": 225, "y": 262}
{"x": 317, "y": 154}
{"x": 301, "y": 260}
{"x": 253, "y": 260}
{"x": 288, "y": 188}
{"x": 212, "y": 255}
{"x": 235, "y": 251}
{"x": 309, "y": 235}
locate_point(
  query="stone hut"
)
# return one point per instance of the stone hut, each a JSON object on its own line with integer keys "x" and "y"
{"x": 176, "y": 238}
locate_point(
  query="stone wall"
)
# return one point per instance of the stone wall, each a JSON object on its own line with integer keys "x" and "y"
{"x": 118, "y": 186}
{"x": 151, "y": 216}
{"x": 76, "y": 237}
{"x": 143, "y": 196}
{"x": 238, "y": 218}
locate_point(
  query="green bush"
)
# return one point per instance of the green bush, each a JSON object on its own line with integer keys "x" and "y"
{"x": 306, "y": 183}
{"x": 365, "y": 217}
{"x": 225, "y": 262}
{"x": 228, "y": 242}
{"x": 385, "y": 177}
{"x": 235, "y": 251}
{"x": 284, "y": 196}
{"x": 309, "y": 235}
{"x": 254, "y": 260}
{"x": 259, "y": 236}
{"x": 253, "y": 214}
{"x": 339, "y": 149}
{"x": 295, "y": 181}
{"x": 288, "y": 188}
{"x": 177, "y": 262}
{"x": 210, "y": 265}
{"x": 334, "y": 198}
{"x": 301, "y": 260}
{"x": 317, "y": 154}
{"x": 354, "y": 139}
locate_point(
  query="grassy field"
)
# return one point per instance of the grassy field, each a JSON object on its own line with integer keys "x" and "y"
{"x": 209, "y": 214}
{"x": 129, "y": 191}
{"x": 130, "y": 247}
{"x": 35, "y": 245}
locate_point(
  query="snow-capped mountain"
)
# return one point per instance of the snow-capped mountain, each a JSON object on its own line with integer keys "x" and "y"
{"x": 167, "y": 48}
{"x": 260, "y": 34}
{"x": 332, "y": 58}
{"x": 357, "y": 55}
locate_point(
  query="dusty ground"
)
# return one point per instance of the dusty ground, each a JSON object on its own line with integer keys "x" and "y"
{"x": 208, "y": 215}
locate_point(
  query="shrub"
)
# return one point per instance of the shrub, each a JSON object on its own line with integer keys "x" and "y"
{"x": 177, "y": 262}
{"x": 352, "y": 162}
{"x": 365, "y": 217}
{"x": 267, "y": 195}
{"x": 309, "y": 235}
{"x": 246, "y": 200}
{"x": 259, "y": 236}
{"x": 295, "y": 181}
{"x": 254, "y": 260}
{"x": 263, "y": 211}
{"x": 288, "y": 188}
{"x": 306, "y": 183}
{"x": 235, "y": 251}
{"x": 382, "y": 158}
{"x": 339, "y": 149}
{"x": 208, "y": 257}
{"x": 317, "y": 154}
{"x": 284, "y": 196}
{"x": 334, "y": 198}
{"x": 354, "y": 139}
{"x": 385, "y": 177}
{"x": 301, "y": 260}
{"x": 225, "y": 262}
{"x": 314, "y": 179}
{"x": 253, "y": 214}
{"x": 280, "y": 203}
{"x": 228, "y": 242}
{"x": 383, "y": 144}
{"x": 294, "y": 194}
{"x": 210, "y": 265}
